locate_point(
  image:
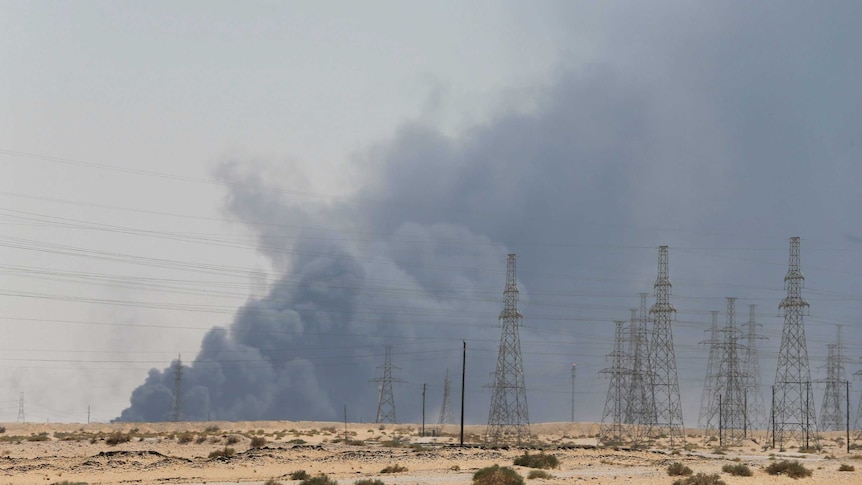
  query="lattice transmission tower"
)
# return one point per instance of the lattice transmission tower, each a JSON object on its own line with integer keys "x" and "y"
{"x": 793, "y": 416}
{"x": 756, "y": 409}
{"x": 386, "y": 402}
{"x": 21, "y": 418}
{"x": 833, "y": 412}
{"x": 446, "y": 408}
{"x": 731, "y": 383}
{"x": 611, "y": 429}
{"x": 508, "y": 419}
{"x": 708, "y": 415}
{"x": 640, "y": 401}
{"x": 665, "y": 381}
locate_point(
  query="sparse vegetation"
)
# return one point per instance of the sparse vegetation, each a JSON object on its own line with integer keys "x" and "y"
{"x": 701, "y": 479}
{"x": 738, "y": 470}
{"x": 211, "y": 429}
{"x": 114, "y": 439}
{"x": 185, "y": 438}
{"x": 67, "y": 482}
{"x": 2, "y": 429}
{"x": 677, "y": 469}
{"x": 846, "y": 468}
{"x": 318, "y": 480}
{"x": 368, "y": 481}
{"x": 792, "y": 469}
{"x": 497, "y": 475}
{"x": 300, "y": 475}
{"x": 223, "y": 453}
{"x": 272, "y": 481}
{"x": 542, "y": 474}
{"x": 258, "y": 442}
{"x": 43, "y": 436}
{"x": 396, "y": 468}
{"x": 232, "y": 439}
{"x": 541, "y": 460}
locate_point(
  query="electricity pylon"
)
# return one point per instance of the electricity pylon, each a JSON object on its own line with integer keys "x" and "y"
{"x": 640, "y": 400}
{"x": 178, "y": 388}
{"x": 508, "y": 419}
{"x": 833, "y": 412}
{"x": 665, "y": 382}
{"x": 792, "y": 416}
{"x": 386, "y": 403}
{"x": 708, "y": 415}
{"x": 446, "y": 408}
{"x": 730, "y": 391}
{"x": 611, "y": 429}
{"x": 756, "y": 410}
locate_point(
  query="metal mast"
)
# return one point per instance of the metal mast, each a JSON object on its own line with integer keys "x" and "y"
{"x": 386, "y": 403}
{"x": 756, "y": 409}
{"x": 574, "y": 374}
{"x": 664, "y": 378}
{"x": 611, "y": 430}
{"x": 640, "y": 401}
{"x": 731, "y": 382}
{"x": 21, "y": 418}
{"x": 508, "y": 419}
{"x": 446, "y": 408}
{"x": 178, "y": 388}
{"x": 793, "y": 414}
{"x": 832, "y": 414}
{"x": 708, "y": 415}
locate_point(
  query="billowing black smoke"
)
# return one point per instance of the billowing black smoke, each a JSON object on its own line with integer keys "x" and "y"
{"x": 694, "y": 141}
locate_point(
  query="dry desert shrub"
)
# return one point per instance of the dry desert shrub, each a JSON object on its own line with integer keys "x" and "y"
{"x": 677, "y": 469}
{"x": 701, "y": 479}
{"x": 541, "y": 460}
{"x": 368, "y": 481}
{"x": 319, "y": 480}
{"x": 542, "y": 474}
{"x": 792, "y": 469}
{"x": 114, "y": 439}
{"x": 300, "y": 475}
{"x": 396, "y": 468}
{"x": 258, "y": 442}
{"x": 223, "y": 453}
{"x": 846, "y": 468}
{"x": 738, "y": 470}
{"x": 497, "y": 475}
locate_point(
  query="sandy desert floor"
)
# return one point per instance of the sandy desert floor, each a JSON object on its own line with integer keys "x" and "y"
{"x": 159, "y": 453}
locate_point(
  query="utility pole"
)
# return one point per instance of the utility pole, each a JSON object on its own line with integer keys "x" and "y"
{"x": 508, "y": 419}
{"x": 665, "y": 381}
{"x": 574, "y": 374}
{"x": 463, "y": 379}
{"x": 178, "y": 388}
{"x": 611, "y": 429}
{"x": 21, "y": 418}
{"x": 793, "y": 416}
{"x": 423, "y": 408}
{"x": 386, "y": 404}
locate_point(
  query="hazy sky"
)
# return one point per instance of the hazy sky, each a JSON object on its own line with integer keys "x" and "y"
{"x": 166, "y": 164}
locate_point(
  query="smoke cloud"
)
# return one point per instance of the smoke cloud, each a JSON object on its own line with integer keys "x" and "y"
{"x": 708, "y": 147}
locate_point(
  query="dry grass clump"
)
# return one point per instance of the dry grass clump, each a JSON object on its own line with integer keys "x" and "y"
{"x": 792, "y": 469}
{"x": 300, "y": 475}
{"x": 258, "y": 442}
{"x": 319, "y": 480}
{"x": 272, "y": 481}
{"x": 396, "y": 468}
{"x": 738, "y": 470}
{"x": 368, "y": 481}
{"x": 497, "y": 475}
{"x": 541, "y": 460}
{"x": 677, "y": 469}
{"x": 232, "y": 440}
{"x": 701, "y": 479}
{"x": 185, "y": 438}
{"x": 541, "y": 474}
{"x": 846, "y": 468}
{"x": 114, "y": 439}
{"x": 223, "y": 453}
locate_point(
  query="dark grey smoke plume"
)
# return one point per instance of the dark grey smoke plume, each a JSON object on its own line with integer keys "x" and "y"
{"x": 719, "y": 141}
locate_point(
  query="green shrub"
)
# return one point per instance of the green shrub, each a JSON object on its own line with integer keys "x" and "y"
{"x": 792, "y": 469}
{"x": 396, "y": 468}
{"x": 738, "y": 470}
{"x": 318, "y": 480}
{"x": 368, "y": 481}
{"x": 300, "y": 475}
{"x": 846, "y": 468}
{"x": 117, "y": 438}
{"x": 677, "y": 469}
{"x": 701, "y": 479}
{"x": 539, "y": 474}
{"x": 537, "y": 461}
{"x": 497, "y": 475}
{"x": 258, "y": 442}
{"x": 224, "y": 453}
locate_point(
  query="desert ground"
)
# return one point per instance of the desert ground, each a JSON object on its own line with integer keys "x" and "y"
{"x": 159, "y": 453}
